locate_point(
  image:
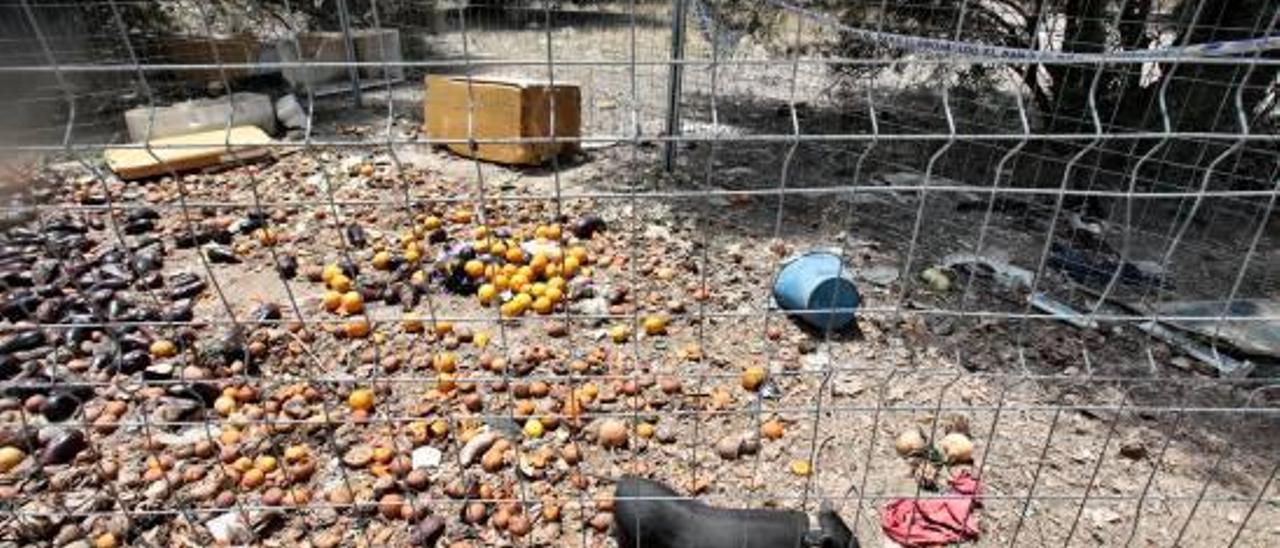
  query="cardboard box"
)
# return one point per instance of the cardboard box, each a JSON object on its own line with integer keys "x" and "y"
{"x": 504, "y": 108}
{"x": 188, "y": 152}
{"x": 196, "y": 50}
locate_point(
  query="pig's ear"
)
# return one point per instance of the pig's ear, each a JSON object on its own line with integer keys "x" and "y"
{"x": 835, "y": 534}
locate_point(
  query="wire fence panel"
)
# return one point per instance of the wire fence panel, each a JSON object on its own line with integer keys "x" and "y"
{"x": 1058, "y": 217}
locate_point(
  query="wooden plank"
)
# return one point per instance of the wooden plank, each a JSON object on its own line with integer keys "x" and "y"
{"x": 188, "y": 152}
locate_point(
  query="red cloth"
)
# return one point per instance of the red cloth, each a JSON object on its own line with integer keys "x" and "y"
{"x": 935, "y": 522}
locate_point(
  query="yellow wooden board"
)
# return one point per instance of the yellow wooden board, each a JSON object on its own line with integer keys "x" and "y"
{"x": 501, "y": 108}
{"x": 188, "y": 152}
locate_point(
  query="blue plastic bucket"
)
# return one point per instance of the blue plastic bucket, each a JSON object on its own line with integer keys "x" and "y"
{"x": 813, "y": 288}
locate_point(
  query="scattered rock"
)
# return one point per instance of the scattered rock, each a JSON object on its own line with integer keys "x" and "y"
{"x": 880, "y": 274}
{"x": 358, "y": 456}
{"x": 230, "y": 528}
{"x": 728, "y": 447}
{"x": 427, "y": 531}
{"x": 1104, "y": 516}
{"x": 427, "y": 457}
{"x": 1133, "y": 449}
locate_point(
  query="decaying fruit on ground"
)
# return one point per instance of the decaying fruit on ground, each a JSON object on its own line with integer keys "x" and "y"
{"x": 910, "y": 442}
{"x": 612, "y": 433}
{"x": 753, "y": 377}
{"x": 361, "y": 399}
{"x": 956, "y": 448}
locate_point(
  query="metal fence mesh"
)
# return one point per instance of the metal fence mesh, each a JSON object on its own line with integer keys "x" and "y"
{"x": 1082, "y": 283}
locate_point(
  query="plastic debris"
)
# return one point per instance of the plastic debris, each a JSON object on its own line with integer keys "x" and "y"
{"x": 814, "y": 288}
{"x": 995, "y": 264}
{"x": 935, "y": 522}
{"x": 1062, "y": 312}
{"x": 1225, "y": 365}
{"x": 1097, "y": 268}
{"x": 1238, "y": 327}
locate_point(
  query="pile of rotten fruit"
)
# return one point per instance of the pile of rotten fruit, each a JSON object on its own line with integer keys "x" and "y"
{"x": 136, "y": 409}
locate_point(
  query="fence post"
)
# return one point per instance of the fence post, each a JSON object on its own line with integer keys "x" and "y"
{"x": 344, "y": 19}
{"x": 673, "y": 83}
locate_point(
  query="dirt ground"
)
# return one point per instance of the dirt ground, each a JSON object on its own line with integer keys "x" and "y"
{"x": 1092, "y": 428}
{"x": 1083, "y": 437}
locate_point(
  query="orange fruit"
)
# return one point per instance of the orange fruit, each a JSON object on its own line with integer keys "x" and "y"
{"x": 267, "y": 237}
{"x": 356, "y": 328}
{"x": 553, "y": 232}
{"x": 578, "y": 252}
{"x": 533, "y": 428}
{"x": 352, "y": 303}
{"x": 501, "y": 282}
{"x": 266, "y": 463}
{"x": 619, "y": 333}
{"x": 443, "y": 328}
{"x": 252, "y": 479}
{"x": 340, "y": 283}
{"x": 513, "y": 308}
{"x": 497, "y": 249}
{"x": 655, "y": 325}
{"x": 486, "y": 293}
{"x": 445, "y": 383}
{"x": 439, "y": 428}
{"x": 570, "y": 267}
{"x": 332, "y": 300}
{"x": 382, "y": 260}
{"x": 295, "y": 453}
{"x": 329, "y": 272}
{"x": 543, "y": 305}
{"x": 360, "y": 399}
{"x": 753, "y": 377}
{"x": 474, "y": 268}
{"x": 432, "y": 222}
{"x": 555, "y": 295}
{"x": 163, "y": 349}
{"x": 224, "y": 405}
{"x": 538, "y": 289}
{"x": 514, "y": 255}
{"x": 772, "y": 429}
{"x": 801, "y": 467}
{"x": 445, "y": 362}
{"x": 411, "y": 323}
{"x": 539, "y": 263}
